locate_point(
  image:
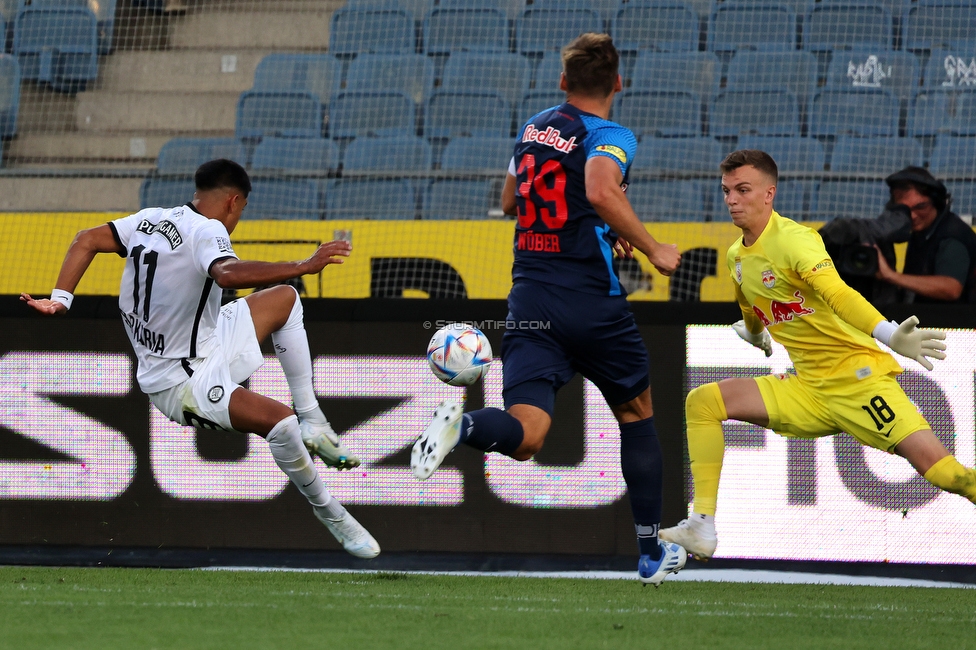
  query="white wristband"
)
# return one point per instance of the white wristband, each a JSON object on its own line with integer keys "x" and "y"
{"x": 65, "y": 298}
{"x": 884, "y": 330}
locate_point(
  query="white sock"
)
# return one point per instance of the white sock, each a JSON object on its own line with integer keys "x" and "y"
{"x": 291, "y": 348}
{"x": 704, "y": 523}
{"x": 285, "y": 441}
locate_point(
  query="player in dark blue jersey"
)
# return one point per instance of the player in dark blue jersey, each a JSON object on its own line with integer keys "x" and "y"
{"x": 567, "y": 183}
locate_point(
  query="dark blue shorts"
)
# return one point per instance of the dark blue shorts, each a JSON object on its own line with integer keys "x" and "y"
{"x": 553, "y": 333}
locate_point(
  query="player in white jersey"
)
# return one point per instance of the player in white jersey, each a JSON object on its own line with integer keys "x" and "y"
{"x": 192, "y": 354}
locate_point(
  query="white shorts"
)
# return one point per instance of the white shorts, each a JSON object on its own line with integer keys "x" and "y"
{"x": 203, "y": 399}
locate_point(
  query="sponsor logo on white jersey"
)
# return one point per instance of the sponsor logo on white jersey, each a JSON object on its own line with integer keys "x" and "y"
{"x": 165, "y": 228}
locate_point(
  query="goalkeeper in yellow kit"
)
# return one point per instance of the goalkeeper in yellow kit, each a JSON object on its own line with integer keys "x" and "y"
{"x": 788, "y": 289}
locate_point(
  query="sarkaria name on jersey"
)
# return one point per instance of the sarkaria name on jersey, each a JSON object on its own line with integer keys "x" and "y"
{"x": 143, "y": 335}
{"x": 165, "y": 228}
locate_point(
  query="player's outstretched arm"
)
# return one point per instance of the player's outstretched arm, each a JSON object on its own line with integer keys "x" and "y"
{"x": 83, "y": 249}
{"x": 232, "y": 273}
{"x": 909, "y": 341}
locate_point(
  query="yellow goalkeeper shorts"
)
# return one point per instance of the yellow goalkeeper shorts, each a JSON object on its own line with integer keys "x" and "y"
{"x": 876, "y": 411}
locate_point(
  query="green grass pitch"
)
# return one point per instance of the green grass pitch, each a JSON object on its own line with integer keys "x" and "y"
{"x": 148, "y": 608}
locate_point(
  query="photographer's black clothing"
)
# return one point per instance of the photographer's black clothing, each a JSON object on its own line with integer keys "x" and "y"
{"x": 947, "y": 247}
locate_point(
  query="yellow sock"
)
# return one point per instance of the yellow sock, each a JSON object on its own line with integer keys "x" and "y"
{"x": 704, "y": 414}
{"x": 951, "y": 476}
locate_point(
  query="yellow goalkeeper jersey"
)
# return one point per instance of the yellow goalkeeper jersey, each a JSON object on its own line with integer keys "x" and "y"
{"x": 787, "y": 283}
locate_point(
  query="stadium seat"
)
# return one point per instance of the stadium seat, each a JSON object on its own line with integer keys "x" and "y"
{"x": 162, "y": 192}
{"x": 854, "y": 111}
{"x": 482, "y": 29}
{"x": 410, "y": 74}
{"x": 315, "y": 156}
{"x": 512, "y": 8}
{"x": 352, "y": 115}
{"x": 939, "y": 111}
{"x": 733, "y": 26}
{"x": 284, "y": 199}
{"x": 404, "y": 153}
{"x": 9, "y": 95}
{"x": 460, "y": 199}
{"x": 860, "y": 68}
{"x": 362, "y": 198}
{"x": 661, "y": 26}
{"x": 449, "y": 115}
{"x": 790, "y": 154}
{"x": 57, "y": 45}
{"x": 840, "y": 24}
{"x": 477, "y": 154}
{"x": 792, "y": 199}
{"x": 953, "y": 68}
{"x": 655, "y": 200}
{"x": 931, "y": 24}
{"x": 536, "y": 102}
{"x": 290, "y": 114}
{"x": 662, "y": 155}
{"x": 666, "y": 113}
{"x": 546, "y": 74}
{"x": 875, "y": 155}
{"x": 754, "y": 112}
{"x": 314, "y": 73}
{"x": 371, "y": 28}
{"x": 953, "y": 155}
{"x": 104, "y": 11}
{"x": 795, "y": 72}
{"x": 502, "y": 73}
{"x": 963, "y": 197}
{"x": 551, "y": 26}
{"x": 694, "y": 72}
{"x": 843, "y": 198}
{"x": 185, "y": 155}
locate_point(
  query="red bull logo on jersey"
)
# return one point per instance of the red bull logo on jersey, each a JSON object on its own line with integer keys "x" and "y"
{"x": 782, "y": 312}
{"x": 550, "y": 137}
{"x": 768, "y": 279}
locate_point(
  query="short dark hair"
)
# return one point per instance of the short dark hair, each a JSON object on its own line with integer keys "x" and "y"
{"x": 923, "y": 182}
{"x": 222, "y": 174}
{"x": 590, "y": 63}
{"x": 758, "y": 159}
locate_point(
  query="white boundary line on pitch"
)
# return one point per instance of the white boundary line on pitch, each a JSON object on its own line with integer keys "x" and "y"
{"x": 694, "y": 575}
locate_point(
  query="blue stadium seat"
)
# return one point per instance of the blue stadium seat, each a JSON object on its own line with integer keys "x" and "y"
{"x": 790, "y": 154}
{"x": 754, "y": 112}
{"x": 290, "y": 114}
{"x": 185, "y": 155}
{"x": 57, "y": 46}
{"x": 733, "y": 26}
{"x": 314, "y": 73}
{"x": 410, "y": 74}
{"x": 655, "y": 200}
{"x": 694, "y": 72}
{"x": 104, "y": 11}
{"x": 460, "y": 199}
{"x": 404, "y": 153}
{"x": 861, "y": 68}
{"x": 477, "y": 154}
{"x": 963, "y": 197}
{"x": 795, "y": 72}
{"x": 840, "y": 24}
{"x": 3, "y": 35}
{"x": 841, "y": 198}
{"x": 9, "y": 95}
{"x": 372, "y": 28}
{"x": 449, "y": 115}
{"x": 952, "y": 69}
{"x": 931, "y": 24}
{"x": 284, "y": 199}
{"x": 163, "y": 192}
{"x": 502, "y": 73}
{"x": 362, "y": 198}
{"x": 677, "y": 154}
{"x": 512, "y": 8}
{"x": 875, "y": 155}
{"x": 854, "y": 111}
{"x": 550, "y": 27}
{"x": 953, "y": 155}
{"x": 662, "y": 26}
{"x": 482, "y": 29}
{"x": 666, "y": 113}
{"x": 792, "y": 198}
{"x": 943, "y": 111}
{"x": 296, "y": 156}
{"x": 546, "y": 74}
{"x": 352, "y": 115}
{"x": 536, "y": 102}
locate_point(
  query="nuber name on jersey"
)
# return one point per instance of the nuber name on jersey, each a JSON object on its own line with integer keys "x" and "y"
{"x": 165, "y": 228}
{"x": 538, "y": 241}
{"x": 143, "y": 335}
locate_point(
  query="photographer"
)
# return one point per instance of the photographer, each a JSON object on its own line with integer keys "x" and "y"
{"x": 941, "y": 256}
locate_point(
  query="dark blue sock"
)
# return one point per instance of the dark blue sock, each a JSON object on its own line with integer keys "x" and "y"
{"x": 640, "y": 460}
{"x": 491, "y": 430}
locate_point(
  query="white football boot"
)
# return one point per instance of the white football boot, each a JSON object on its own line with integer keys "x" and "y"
{"x": 698, "y": 537}
{"x": 322, "y": 441}
{"x": 672, "y": 560}
{"x": 350, "y": 533}
{"x": 438, "y": 440}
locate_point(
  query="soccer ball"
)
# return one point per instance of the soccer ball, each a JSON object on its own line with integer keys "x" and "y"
{"x": 459, "y": 354}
